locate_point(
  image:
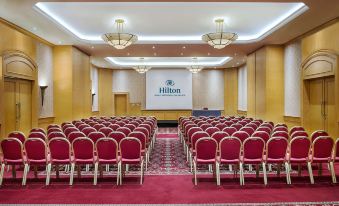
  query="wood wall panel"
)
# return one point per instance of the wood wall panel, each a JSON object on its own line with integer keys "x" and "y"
{"x": 106, "y": 105}
{"x": 231, "y": 91}
{"x": 251, "y": 85}
{"x": 260, "y": 83}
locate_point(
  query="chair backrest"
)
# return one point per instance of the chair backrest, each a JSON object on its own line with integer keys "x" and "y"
{"x": 130, "y": 126}
{"x": 83, "y": 126}
{"x": 65, "y": 123}
{"x": 92, "y": 123}
{"x": 143, "y": 130}
{"x": 12, "y": 149}
{"x": 300, "y": 147}
{"x": 35, "y": 149}
{"x": 317, "y": 134}
{"x": 212, "y": 130}
{"x": 18, "y": 135}
{"x": 37, "y": 135}
{"x": 218, "y": 136}
{"x": 264, "y": 129}
{"x": 70, "y": 130}
{"x": 206, "y": 148}
{"x": 140, "y": 136}
{"x": 67, "y": 126}
{"x": 249, "y": 130}
{"x": 281, "y": 134}
{"x": 276, "y": 148}
{"x": 196, "y": 136}
{"x": 117, "y": 136}
{"x": 60, "y": 149}
{"x": 55, "y": 134}
{"x": 106, "y": 124}
{"x": 252, "y": 125}
{"x": 120, "y": 123}
{"x": 130, "y": 148}
{"x": 266, "y": 124}
{"x": 114, "y": 127}
{"x": 187, "y": 127}
{"x": 256, "y": 122}
{"x": 280, "y": 129}
{"x": 299, "y": 134}
{"x": 147, "y": 126}
{"x": 215, "y": 122}
{"x": 88, "y": 130}
{"x": 230, "y": 130}
{"x": 237, "y": 126}
{"x": 296, "y": 128}
{"x": 221, "y": 126}
{"x": 336, "y": 150}
{"x": 205, "y": 126}
{"x": 38, "y": 130}
{"x": 322, "y": 147}
{"x": 253, "y": 148}
{"x": 83, "y": 148}
{"x": 242, "y": 135}
{"x": 94, "y": 136}
{"x": 53, "y": 126}
{"x": 98, "y": 126}
{"x": 124, "y": 130}
{"x": 77, "y": 124}
{"x": 281, "y": 125}
{"x": 230, "y": 148}
{"x": 107, "y": 149}
{"x": 106, "y": 131}
{"x": 73, "y": 135}
{"x": 243, "y": 123}
{"x": 262, "y": 134}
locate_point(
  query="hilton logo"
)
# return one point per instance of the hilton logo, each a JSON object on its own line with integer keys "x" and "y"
{"x": 169, "y": 89}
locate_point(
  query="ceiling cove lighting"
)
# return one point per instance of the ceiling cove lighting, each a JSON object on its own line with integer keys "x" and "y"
{"x": 177, "y": 63}
{"x": 219, "y": 39}
{"x": 195, "y": 67}
{"x": 258, "y": 35}
{"x": 119, "y": 40}
{"x": 142, "y": 67}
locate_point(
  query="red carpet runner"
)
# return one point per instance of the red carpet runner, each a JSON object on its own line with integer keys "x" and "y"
{"x": 168, "y": 181}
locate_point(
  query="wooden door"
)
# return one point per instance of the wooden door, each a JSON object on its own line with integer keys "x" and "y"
{"x": 120, "y": 104}
{"x": 329, "y": 106}
{"x": 314, "y": 119}
{"x": 18, "y": 105}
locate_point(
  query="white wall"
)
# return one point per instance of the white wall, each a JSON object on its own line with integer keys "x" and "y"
{"x": 292, "y": 63}
{"x": 208, "y": 89}
{"x": 242, "y": 88}
{"x": 95, "y": 90}
{"x": 45, "y": 77}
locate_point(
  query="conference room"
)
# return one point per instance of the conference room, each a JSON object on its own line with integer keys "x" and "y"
{"x": 168, "y": 102}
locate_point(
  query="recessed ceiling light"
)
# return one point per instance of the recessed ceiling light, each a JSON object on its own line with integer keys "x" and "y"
{"x": 92, "y": 47}
{"x": 153, "y": 47}
{"x": 184, "y": 47}
{"x": 59, "y": 42}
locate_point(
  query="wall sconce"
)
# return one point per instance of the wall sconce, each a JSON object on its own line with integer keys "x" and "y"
{"x": 93, "y": 94}
{"x": 43, "y": 89}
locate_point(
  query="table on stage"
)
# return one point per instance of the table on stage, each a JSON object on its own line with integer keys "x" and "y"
{"x": 206, "y": 113}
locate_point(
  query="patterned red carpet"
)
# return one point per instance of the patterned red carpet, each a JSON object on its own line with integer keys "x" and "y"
{"x": 168, "y": 181}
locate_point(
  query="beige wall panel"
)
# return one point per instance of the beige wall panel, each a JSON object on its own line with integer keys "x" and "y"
{"x": 251, "y": 85}
{"x": 231, "y": 91}
{"x": 260, "y": 83}
{"x": 106, "y": 106}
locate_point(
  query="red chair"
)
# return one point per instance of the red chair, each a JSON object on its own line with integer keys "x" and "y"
{"x": 298, "y": 134}
{"x": 69, "y": 130}
{"x": 280, "y": 129}
{"x": 228, "y": 123}
{"x": 36, "y": 154}
{"x": 206, "y": 153}
{"x": 121, "y": 124}
{"x": 124, "y": 130}
{"x": 230, "y": 130}
{"x": 230, "y": 153}
{"x": 106, "y": 124}
{"x": 94, "y": 136}
{"x": 131, "y": 153}
{"x": 269, "y": 125}
{"x": 107, "y": 153}
{"x": 322, "y": 148}
{"x": 190, "y": 133}
{"x": 91, "y": 124}
{"x": 53, "y": 126}
{"x": 143, "y": 130}
{"x": 135, "y": 123}
{"x": 88, "y": 130}
{"x": 214, "y": 123}
{"x": 299, "y": 154}
{"x": 248, "y": 130}
{"x": 296, "y": 128}
{"x": 281, "y": 134}
{"x": 55, "y": 134}
{"x": 264, "y": 129}
{"x": 212, "y": 130}
{"x": 117, "y": 136}
{"x": 335, "y": 157}
{"x": 106, "y": 130}
{"x": 281, "y": 125}
{"x": 83, "y": 126}
{"x": 253, "y": 126}
{"x": 38, "y": 130}
{"x": 73, "y": 135}
{"x": 242, "y": 135}
{"x": 83, "y": 151}
{"x": 221, "y": 126}
{"x": 257, "y": 123}
{"x": 262, "y": 134}
{"x": 18, "y": 135}
{"x": 37, "y": 135}
{"x": 276, "y": 153}
{"x": 98, "y": 126}
{"x": 243, "y": 123}
{"x": 114, "y": 127}
{"x": 144, "y": 143}
{"x": 12, "y": 154}
{"x": 237, "y": 126}
{"x": 67, "y": 126}
{"x": 65, "y": 123}
{"x": 218, "y": 136}
{"x": 191, "y": 150}
{"x": 53, "y": 129}
{"x": 77, "y": 124}
{"x": 60, "y": 154}
{"x": 318, "y": 133}
{"x": 253, "y": 153}
{"x": 130, "y": 126}
{"x": 205, "y": 126}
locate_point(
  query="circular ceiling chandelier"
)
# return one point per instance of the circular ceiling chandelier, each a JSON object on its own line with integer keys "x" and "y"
{"x": 195, "y": 68}
{"x": 219, "y": 39}
{"x": 119, "y": 40}
{"x": 141, "y": 68}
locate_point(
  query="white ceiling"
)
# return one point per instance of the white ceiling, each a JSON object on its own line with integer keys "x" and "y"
{"x": 170, "y": 22}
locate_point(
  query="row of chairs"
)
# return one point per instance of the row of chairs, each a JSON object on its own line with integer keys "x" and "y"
{"x": 326, "y": 149}
{"x": 130, "y": 149}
